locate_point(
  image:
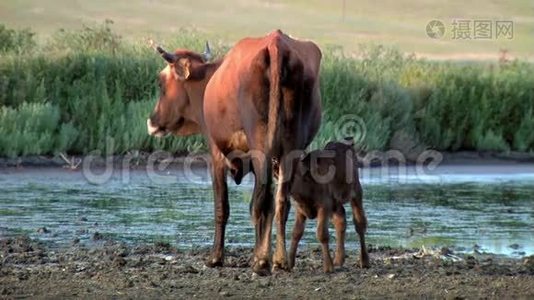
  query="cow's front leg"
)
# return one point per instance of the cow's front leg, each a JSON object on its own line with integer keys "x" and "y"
{"x": 222, "y": 208}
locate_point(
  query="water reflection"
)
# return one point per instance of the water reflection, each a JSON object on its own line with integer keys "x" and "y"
{"x": 494, "y": 211}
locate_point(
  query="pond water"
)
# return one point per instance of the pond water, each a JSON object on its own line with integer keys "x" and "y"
{"x": 490, "y": 208}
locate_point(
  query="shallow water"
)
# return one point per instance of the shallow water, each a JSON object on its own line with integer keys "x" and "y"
{"x": 490, "y": 208}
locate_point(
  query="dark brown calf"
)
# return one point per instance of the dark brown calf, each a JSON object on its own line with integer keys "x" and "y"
{"x": 324, "y": 181}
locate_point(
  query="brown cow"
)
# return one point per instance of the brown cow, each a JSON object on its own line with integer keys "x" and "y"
{"x": 324, "y": 181}
{"x": 255, "y": 106}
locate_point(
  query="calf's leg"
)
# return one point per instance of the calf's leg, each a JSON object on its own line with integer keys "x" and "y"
{"x": 322, "y": 236}
{"x": 298, "y": 231}
{"x": 340, "y": 224}
{"x": 360, "y": 222}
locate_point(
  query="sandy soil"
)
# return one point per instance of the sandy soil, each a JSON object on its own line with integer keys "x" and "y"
{"x": 115, "y": 270}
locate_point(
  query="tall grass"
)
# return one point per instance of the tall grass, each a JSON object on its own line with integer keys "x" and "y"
{"x": 30, "y": 129}
{"x": 76, "y": 90}
{"x": 16, "y": 40}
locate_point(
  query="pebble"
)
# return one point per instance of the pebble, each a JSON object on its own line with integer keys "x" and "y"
{"x": 97, "y": 236}
{"x": 119, "y": 261}
{"x": 446, "y": 251}
{"x": 43, "y": 230}
{"x": 190, "y": 269}
{"x": 515, "y": 246}
{"x": 529, "y": 262}
{"x": 243, "y": 277}
{"x": 264, "y": 282}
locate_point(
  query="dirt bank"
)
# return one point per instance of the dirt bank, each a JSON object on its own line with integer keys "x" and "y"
{"x": 111, "y": 269}
{"x": 142, "y": 160}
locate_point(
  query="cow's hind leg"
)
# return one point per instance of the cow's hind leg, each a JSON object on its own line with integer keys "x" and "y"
{"x": 360, "y": 222}
{"x": 222, "y": 208}
{"x": 282, "y": 206}
{"x": 298, "y": 231}
{"x": 340, "y": 224}
{"x": 262, "y": 213}
{"x": 322, "y": 236}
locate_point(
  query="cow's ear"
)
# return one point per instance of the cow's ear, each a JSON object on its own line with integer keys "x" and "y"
{"x": 182, "y": 68}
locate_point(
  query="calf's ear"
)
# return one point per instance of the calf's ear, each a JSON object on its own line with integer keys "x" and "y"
{"x": 182, "y": 68}
{"x": 349, "y": 141}
{"x": 304, "y": 165}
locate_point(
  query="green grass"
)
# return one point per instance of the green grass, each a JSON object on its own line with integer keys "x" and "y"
{"x": 85, "y": 90}
{"x": 30, "y": 129}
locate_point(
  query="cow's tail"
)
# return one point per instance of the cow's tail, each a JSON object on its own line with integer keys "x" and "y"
{"x": 275, "y": 122}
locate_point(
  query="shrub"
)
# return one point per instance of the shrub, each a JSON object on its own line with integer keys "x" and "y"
{"x": 81, "y": 89}
{"x": 18, "y": 41}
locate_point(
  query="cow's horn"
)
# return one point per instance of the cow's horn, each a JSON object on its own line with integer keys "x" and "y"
{"x": 169, "y": 57}
{"x": 207, "y": 52}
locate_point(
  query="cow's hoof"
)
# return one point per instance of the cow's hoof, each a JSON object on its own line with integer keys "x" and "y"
{"x": 261, "y": 267}
{"x": 280, "y": 262}
{"x": 214, "y": 262}
{"x": 338, "y": 262}
{"x": 328, "y": 268}
{"x": 280, "y": 266}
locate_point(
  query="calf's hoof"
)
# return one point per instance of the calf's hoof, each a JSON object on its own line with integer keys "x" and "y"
{"x": 261, "y": 267}
{"x": 364, "y": 262}
{"x": 290, "y": 265}
{"x": 213, "y": 262}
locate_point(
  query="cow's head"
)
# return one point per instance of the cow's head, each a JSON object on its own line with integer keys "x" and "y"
{"x": 181, "y": 88}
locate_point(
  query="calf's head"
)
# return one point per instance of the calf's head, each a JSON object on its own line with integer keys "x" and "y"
{"x": 335, "y": 162}
{"x": 181, "y": 88}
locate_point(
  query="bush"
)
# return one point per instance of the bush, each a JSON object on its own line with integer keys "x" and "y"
{"x": 80, "y": 89}
{"x": 18, "y": 41}
{"x": 98, "y": 38}
{"x": 28, "y": 129}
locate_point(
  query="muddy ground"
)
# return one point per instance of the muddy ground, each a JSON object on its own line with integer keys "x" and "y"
{"x": 115, "y": 270}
